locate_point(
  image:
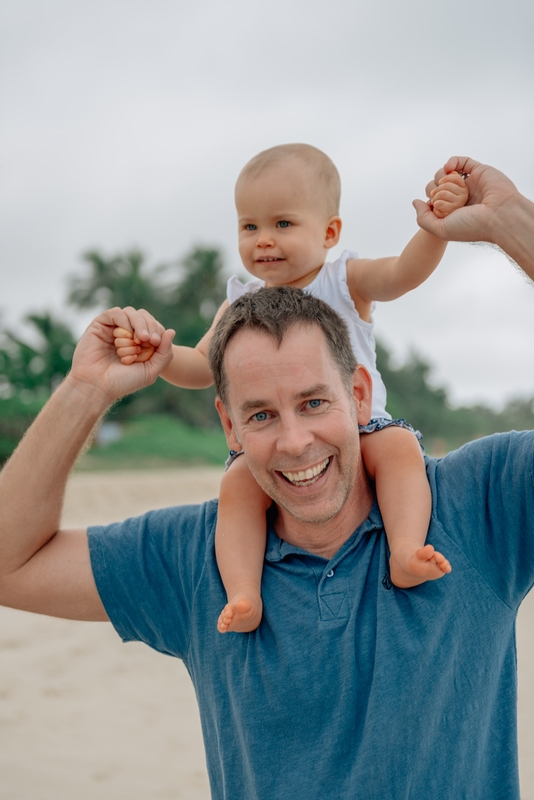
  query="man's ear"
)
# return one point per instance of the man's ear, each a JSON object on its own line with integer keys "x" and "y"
{"x": 362, "y": 390}
{"x": 228, "y": 426}
{"x": 333, "y": 232}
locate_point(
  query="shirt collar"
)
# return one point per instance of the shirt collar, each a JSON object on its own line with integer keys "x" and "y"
{"x": 277, "y": 549}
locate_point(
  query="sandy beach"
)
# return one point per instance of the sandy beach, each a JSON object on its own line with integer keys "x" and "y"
{"x": 84, "y": 716}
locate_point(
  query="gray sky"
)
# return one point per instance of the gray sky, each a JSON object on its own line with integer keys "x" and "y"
{"x": 126, "y": 123}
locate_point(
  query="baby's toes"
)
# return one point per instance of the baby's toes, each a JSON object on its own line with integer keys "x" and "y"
{"x": 442, "y": 562}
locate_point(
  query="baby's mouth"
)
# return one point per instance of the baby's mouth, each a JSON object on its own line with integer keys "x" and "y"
{"x": 268, "y": 260}
{"x": 307, "y": 476}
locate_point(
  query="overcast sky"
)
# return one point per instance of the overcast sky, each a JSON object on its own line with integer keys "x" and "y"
{"x": 126, "y": 123}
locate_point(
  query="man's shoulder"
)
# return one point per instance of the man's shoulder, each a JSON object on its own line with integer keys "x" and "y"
{"x": 182, "y": 530}
{"x": 503, "y": 459}
{"x": 484, "y": 503}
{"x": 484, "y": 455}
{"x": 191, "y": 513}
{"x": 147, "y": 570}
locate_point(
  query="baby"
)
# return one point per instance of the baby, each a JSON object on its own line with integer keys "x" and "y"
{"x": 287, "y": 201}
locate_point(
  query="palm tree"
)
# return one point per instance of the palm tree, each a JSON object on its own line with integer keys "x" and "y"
{"x": 38, "y": 369}
{"x": 117, "y": 281}
{"x": 183, "y": 295}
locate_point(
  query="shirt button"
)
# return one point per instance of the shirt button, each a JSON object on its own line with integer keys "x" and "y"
{"x": 330, "y": 574}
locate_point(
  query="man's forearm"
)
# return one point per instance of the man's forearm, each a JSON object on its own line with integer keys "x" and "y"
{"x": 32, "y": 483}
{"x": 513, "y": 232}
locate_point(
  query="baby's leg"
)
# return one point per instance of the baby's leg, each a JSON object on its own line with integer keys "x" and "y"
{"x": 240, "y": 547}
{"x": 393, "y": 458}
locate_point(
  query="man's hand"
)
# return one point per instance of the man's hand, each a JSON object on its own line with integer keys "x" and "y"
{"x": 489, "y": 193}
{"x": 97, "y": 364}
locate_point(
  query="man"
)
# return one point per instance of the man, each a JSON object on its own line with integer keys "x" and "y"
{"x": 350, "y": 688}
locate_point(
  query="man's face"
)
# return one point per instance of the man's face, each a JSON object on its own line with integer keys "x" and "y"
{"x": 298, "y": 426}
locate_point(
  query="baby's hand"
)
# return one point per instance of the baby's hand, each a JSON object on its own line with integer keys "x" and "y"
{"x": 129, "y": 348}
{"x": 137, "y": 341}
{"x": 450, "y": 194}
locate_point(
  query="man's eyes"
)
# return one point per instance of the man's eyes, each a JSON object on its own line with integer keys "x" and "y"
{"x": 263, "y": 416}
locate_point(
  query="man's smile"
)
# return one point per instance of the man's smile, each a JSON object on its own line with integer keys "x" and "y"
{"x": 308, "y": 476}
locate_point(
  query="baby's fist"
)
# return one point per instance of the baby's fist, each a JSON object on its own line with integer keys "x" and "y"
{"x": 450, "y": 194}
{"x": 130, "y": 349}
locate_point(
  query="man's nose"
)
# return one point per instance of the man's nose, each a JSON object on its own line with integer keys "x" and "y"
{"x": 294, "y": 437}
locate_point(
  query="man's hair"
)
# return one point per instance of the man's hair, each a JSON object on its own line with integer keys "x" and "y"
{"x": 324, "y": 170}
{"x": 274, "y": 311}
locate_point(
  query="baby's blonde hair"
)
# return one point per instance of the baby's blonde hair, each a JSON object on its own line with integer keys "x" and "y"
{"x": 324, "y": 169}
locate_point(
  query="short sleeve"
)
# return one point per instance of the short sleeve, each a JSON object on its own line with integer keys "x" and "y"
{"x": 484, "y": 500}
{"x": 235, "y": 288}
{"x": 147, "y": 570}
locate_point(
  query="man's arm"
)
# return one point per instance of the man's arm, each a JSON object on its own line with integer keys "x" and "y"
{"x": 42, "y": 569}
{"x": 495, "y": 212}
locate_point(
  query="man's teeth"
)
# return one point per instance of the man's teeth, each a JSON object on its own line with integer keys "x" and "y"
{"x": 307, "y": 476}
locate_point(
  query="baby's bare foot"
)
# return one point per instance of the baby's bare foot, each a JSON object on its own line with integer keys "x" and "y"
{"x": 410, "y": 569}
{"x": 241, "y": 614}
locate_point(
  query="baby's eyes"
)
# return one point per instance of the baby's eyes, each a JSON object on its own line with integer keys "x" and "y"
{"x": 283, "y": 223}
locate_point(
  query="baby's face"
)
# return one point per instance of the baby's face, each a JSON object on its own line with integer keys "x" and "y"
{"x": 284, "y": 228}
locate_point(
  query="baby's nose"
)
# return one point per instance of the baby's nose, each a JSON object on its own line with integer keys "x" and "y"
{"x": 265, "y": 239}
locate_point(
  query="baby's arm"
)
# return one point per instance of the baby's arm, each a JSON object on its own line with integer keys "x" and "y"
{"x": 393, "y": 459}
{"x": 189, "y": 367}
{"x": 240, "y": 547}
{"x": 388, "y": 278}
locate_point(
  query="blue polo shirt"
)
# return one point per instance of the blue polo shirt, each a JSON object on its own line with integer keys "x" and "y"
{"x": 350, "y": 687}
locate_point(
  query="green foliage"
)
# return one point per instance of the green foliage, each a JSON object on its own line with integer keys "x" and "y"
{"x": 15, "y": 416}
{"x": 183, "y": 295}
{"x": 28, "y": 375}
{"x": 117, "y": 281}
{"x": 157, "y": 441}
{"x": 158, "y": 421}
{"x": 36, "y": 371}
{"x": 192, "y": 302}
{"x": 428, "y": 409}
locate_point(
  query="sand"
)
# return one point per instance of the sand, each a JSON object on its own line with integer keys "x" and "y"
{"x": 84, "y": 716}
